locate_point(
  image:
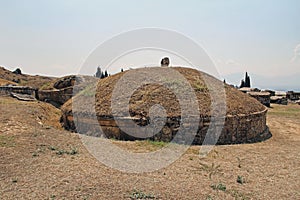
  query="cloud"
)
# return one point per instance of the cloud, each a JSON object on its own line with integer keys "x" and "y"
{"x": 296, "y": 53}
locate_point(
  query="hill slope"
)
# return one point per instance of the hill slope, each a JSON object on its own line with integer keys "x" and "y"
{"x": 24, "y": 79}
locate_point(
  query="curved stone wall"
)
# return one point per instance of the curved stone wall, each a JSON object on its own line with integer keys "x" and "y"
{"x": 56, "y": 97}
{"x": 237, "y": 129}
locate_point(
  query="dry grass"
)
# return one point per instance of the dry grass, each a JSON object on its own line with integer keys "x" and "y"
{"x": 24, "y": 79}
{"x": 148, "y": 95}
{"x": 4, "y": 82}
{"x": 32, "y": 168}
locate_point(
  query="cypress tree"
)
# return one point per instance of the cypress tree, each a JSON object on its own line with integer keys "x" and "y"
{"x": 242, "y": 84}
{"x": 247, "y": 80}
{"x": 98, "y": 73}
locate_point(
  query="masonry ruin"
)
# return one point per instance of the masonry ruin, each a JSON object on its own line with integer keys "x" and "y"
{"x": 245, "y": 120}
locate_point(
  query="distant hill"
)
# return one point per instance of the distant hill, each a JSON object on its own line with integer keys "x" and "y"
{"x": 284, "y": 83}
{"x": 24, "y": 79}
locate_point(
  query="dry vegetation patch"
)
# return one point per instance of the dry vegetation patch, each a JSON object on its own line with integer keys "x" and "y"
{"x": 37, "y": 161}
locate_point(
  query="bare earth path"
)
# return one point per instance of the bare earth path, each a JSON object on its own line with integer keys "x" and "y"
{"x": 38, "y": 161}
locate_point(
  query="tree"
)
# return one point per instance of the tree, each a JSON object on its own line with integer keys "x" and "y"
{"x": 102, "y": 75}
{"x": 242, "y": 84}
{"x": 247, "y": 81}
{"x": 98, "y": 73}
{"x": 17, "y": 71}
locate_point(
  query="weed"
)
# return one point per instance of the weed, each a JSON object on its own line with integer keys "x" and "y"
{"x": 7, "y": 141}
{"x": 211, "y": 169}
{"x": 52, "y": 148}
{"x": 60, "y": 152}
{"x": 239, "y": 195}
{"x": 73, "y": 151}
{"x": 209, "y": 197}
{"x": 199, "y": 87}
{"x": 220, "y": 186}
{"x": 240, "y": 180}
{"x": 141, "y": 195}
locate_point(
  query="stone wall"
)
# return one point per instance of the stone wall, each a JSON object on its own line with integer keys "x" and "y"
{"x": 8, "y": 90}
{"x": 293, "y": 96}
{"x": 237, "y": 129}
{"x": 56, "y": 97}
{"x": 262, "y": 97}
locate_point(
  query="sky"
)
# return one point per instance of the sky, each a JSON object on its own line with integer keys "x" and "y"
{"x": 56, "y": 37}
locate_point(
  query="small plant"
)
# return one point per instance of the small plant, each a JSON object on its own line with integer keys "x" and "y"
{"x": 52, "y": 148}
{"x": 141, "y": 195}
{"x": 240, "y": 180}
{"x": 220, "y": 186}
{"x": 52, "y": 196}
{"x": 211, "y": 169}
{"x": 239, "y": 195}
{"x": 73, "y": 151}
{"x": 199, "y": 87}
{"x": 209, "y": 197}
{"x": 60, "y": 152}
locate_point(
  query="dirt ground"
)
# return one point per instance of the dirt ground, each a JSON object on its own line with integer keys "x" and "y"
{"x": 40, "y": 161}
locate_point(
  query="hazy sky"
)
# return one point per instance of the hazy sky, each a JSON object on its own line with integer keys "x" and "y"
{"x": 54, "y": 37}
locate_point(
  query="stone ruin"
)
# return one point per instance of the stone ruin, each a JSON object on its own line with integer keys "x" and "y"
{"x": 165, "y": 62}
{"x": 245, "y": 120}
{"x": 24, "y": 93}
{"x": 264, "y": 97}
{"x": 61, "y": 92}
